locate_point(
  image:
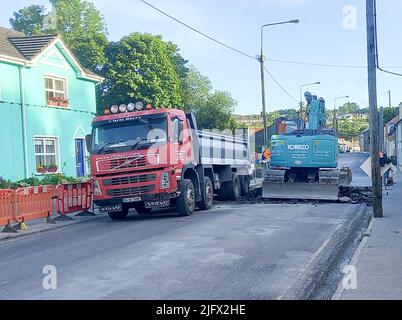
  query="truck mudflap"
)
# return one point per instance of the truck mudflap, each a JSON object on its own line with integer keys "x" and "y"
{"x": 326, "y": 188}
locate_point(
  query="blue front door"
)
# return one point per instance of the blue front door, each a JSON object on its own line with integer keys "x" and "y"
{"x": 80, "y": 157}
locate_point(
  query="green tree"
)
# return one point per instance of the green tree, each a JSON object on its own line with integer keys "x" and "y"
{"x": 196, "y": 90}
{"x": 214, "y": 110}
{"x": 217, "y": 113}
{"x": 351, "y": 129}
{"x": 80, "y": 24}
{"x": 389, "y": 114}
{"x": 140, "y": 67}
{"x": 29, "y": 20}
{"x": 83, "y": 29}
{"x": 349, "y": 108}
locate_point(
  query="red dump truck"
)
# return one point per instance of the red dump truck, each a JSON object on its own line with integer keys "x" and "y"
{"x": 146, "y": 158}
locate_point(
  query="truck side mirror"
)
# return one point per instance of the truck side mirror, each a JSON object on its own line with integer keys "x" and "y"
{"x": 180, "y": 132}
{"x": 88, "y": 140}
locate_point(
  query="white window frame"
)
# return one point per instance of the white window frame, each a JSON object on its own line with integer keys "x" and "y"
{"x": 53, "y": 78}
{"x": 57, "y": 151}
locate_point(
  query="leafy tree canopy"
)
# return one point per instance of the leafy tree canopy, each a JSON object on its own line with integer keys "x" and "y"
{"x": 140, "y": 67}
{"x": 29, "y": 20}
{"x": 349, "y": 108}
{"x": 80, "y": 24}
{"x": 213, "y": 109}
{"x": 352, "y": 129}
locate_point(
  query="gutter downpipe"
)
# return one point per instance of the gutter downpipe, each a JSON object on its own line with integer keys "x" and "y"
{"x": 23, "y": 118}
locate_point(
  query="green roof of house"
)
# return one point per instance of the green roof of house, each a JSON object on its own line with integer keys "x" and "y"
{"x": 17, "y": 45}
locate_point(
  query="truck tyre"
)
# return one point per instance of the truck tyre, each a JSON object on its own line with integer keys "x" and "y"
{"x": 233, "y": 188}
{"x": 140, "y": 208}
{"x": 185, "y": 204}
{"x": 119, "y": 215}
{"x": 245, "y": 185}
{"x": 207, "y": 195}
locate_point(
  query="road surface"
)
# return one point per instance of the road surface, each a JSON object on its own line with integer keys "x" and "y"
{"x": 231, "y": 252}
{"x": 234, "y": 251}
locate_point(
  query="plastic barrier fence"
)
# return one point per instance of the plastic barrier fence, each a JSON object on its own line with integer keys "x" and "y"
{"x": 74, "y": 197}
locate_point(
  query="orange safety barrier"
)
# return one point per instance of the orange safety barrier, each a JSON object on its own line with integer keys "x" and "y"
{"x": 7, "y": 197}
{"x": 74, "y": 197}
{"x": 33, "y": 203}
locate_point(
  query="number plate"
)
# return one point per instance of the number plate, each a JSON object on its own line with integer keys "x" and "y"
{"x": 157, "y": 204}
{"x": 111, "y": 208}
{"x": 130, "y": 200}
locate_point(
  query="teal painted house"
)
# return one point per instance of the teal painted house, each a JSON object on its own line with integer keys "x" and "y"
{"x": 47, "y": 102}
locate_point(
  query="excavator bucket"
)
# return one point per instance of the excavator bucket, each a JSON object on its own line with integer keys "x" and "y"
{"x": 300, "y": 191}
{"x": 326, "y": 188}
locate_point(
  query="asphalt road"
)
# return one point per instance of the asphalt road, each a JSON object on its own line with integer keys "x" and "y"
{"x": 235, "y": 251}
{"x": 354, "y": 161}
{"x": 231, "y": 252}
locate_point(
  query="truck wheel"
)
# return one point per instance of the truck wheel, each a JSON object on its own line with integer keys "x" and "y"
{"x": 245, "y": 185}
{"x": 207, "y": 195}
{"x": 140, "y": 208}
{"x": 119, "y": 215}
{"x": 185, "y": 204}
{"x": 233, "y": 188}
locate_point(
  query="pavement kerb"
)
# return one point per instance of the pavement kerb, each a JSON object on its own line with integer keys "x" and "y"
{"x": 305, "y": 284}
{"x": 339, "y": 292}
{"x": 49, "y": 227}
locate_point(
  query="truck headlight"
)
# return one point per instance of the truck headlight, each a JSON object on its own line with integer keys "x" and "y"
{"x": 97, "y": 189}
{"x": 165, "y": 180}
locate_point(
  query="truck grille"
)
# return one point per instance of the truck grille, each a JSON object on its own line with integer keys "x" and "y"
{"x": 129, "y": 180}
{"x": 133, "y": 191}
{"x": 127, "y": 162}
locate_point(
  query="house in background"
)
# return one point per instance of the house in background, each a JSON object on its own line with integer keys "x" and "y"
{"x": 390, "y": 138}
{"x": 47, "y": 102}
{"x": 365, "y": 141}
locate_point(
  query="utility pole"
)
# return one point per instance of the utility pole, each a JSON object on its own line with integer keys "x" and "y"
{"x": 389, "y": 99}
{"x": 261, "y": 60}
{"x": 264, "y": 114}
{"x": 374, "y": 125}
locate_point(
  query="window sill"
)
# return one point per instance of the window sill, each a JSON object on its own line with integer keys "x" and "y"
{"x": 40, "y": 174}
{"x": 57, "y": 104}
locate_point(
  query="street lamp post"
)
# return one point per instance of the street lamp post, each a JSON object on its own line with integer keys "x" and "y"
{"x": 335, "y": 123}
{"x": 301, "y": 95}
{"x": 261, "y": 60}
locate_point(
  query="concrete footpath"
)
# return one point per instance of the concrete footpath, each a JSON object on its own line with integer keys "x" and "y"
{"x": 379, "y": 260}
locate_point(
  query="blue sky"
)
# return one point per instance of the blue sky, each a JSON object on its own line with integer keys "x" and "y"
{"x": 319, "y": 38}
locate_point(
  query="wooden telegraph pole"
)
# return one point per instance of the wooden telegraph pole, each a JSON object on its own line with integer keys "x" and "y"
{"x": 374, "y": 123}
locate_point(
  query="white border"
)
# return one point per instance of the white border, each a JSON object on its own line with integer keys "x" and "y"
{"x": 66, "y": 89}
{"x": 58, "y": 155}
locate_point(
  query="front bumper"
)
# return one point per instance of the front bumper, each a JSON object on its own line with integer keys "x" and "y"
{"x": 133, "y": 200}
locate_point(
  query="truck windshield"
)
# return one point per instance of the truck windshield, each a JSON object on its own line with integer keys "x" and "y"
{"x": 128, "y": 134}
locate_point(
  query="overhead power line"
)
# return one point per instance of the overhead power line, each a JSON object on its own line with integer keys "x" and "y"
{"x": 223, "y": 44}
{"x": 324, "y": 65}
{"x": 199, "y": 32}
{"x": 280, "y": 86}
{"x": 376, "y": 45}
